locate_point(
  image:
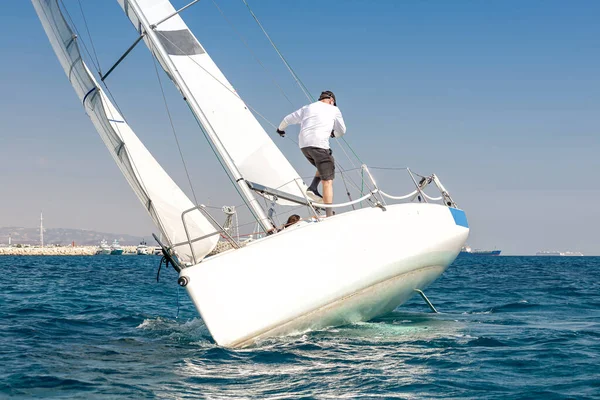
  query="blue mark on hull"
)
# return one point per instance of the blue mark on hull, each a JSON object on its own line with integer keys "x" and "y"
{"x": 460, "y": 218}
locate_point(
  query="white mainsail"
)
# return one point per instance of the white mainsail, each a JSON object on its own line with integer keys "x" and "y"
{"x": 160, "y": 195}
{"x": 220, "y": 108}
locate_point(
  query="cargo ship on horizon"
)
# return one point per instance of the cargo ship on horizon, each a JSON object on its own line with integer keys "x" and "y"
{"x": 468, "y": 251}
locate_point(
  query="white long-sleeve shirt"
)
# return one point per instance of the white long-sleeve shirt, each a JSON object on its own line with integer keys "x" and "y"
{"x": 316, "y": 120}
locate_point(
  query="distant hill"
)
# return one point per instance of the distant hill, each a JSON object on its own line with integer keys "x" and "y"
{"x": 64, "y": 236}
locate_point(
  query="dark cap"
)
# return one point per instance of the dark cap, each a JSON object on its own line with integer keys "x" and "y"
{"x": 328, "y": 94}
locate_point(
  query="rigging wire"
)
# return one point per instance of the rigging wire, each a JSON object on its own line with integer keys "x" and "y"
{"x": 306, "y": 93}
{"x": 137, "y": 178}
{"x": 173, "y": 126}
{"x": 210, "y": 145}
{"x": 298, "y": 81}
{"x": 116, "y": 129}
{"x": 233, "y": 92}
{"x": 97, "y": 67}
{"x": 291, "y": 70}
{"x": 90, "y": 36}
{"x": 392, "y": 168}
{"x": 94, "y": 64}
{"x": 177, "y": 315}
{"x": 337, "y": 163}
{"x": 229, "y": 89}
{"x": 249, "y": 106}
{"x": 200, "y": 125}
{"x": 252, "y": 52}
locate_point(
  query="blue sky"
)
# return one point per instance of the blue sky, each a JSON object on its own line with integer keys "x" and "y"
{"x": 500, "y": 99}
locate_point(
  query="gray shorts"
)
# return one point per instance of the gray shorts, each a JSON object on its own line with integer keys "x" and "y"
{"x": 322, "y": 159}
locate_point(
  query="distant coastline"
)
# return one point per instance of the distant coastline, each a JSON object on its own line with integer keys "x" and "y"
{"x": 56, "y": 250}
{"x": 63, "y": 237}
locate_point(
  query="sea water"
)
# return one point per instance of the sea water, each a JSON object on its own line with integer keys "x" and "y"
{"x": 102, "y": 327}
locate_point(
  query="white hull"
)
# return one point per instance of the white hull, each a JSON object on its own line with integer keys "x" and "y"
{"x": 345, "y": 269}
{"x": 143, "y": 251}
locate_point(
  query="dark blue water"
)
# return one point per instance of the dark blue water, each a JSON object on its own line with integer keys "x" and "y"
{"x": 101, "y": 327}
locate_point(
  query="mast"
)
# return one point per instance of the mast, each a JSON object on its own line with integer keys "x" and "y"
{"x": 42, "y": 228}
{"x": 175, "y": 75}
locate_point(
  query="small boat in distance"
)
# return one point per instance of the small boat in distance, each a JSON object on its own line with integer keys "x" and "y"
{"x": 104, "y": 248}
{"x": 560, "y": 253}
{"x": 468, "y": 251}
{"x": 115, "y": 248}
{"x": 143, "y": 249}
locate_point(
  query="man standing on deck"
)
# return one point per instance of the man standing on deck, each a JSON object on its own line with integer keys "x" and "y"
{"x": 318, "y": 122}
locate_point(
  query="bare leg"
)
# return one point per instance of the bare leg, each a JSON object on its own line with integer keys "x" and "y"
{"x": 328, "y": 195}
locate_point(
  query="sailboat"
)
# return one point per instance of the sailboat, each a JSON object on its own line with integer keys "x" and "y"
{"x": 370, "y": 260}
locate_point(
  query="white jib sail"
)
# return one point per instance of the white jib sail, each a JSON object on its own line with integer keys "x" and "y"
{"x": 159, "y": 194}
{"x": 247, "y": 144}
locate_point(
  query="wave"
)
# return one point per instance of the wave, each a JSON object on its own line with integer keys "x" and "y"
{"x": 521, "y": 305}
{"x": 16, "y": 383}
{"x": 190, "y": 331}
{"x": 486, "y": 342}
